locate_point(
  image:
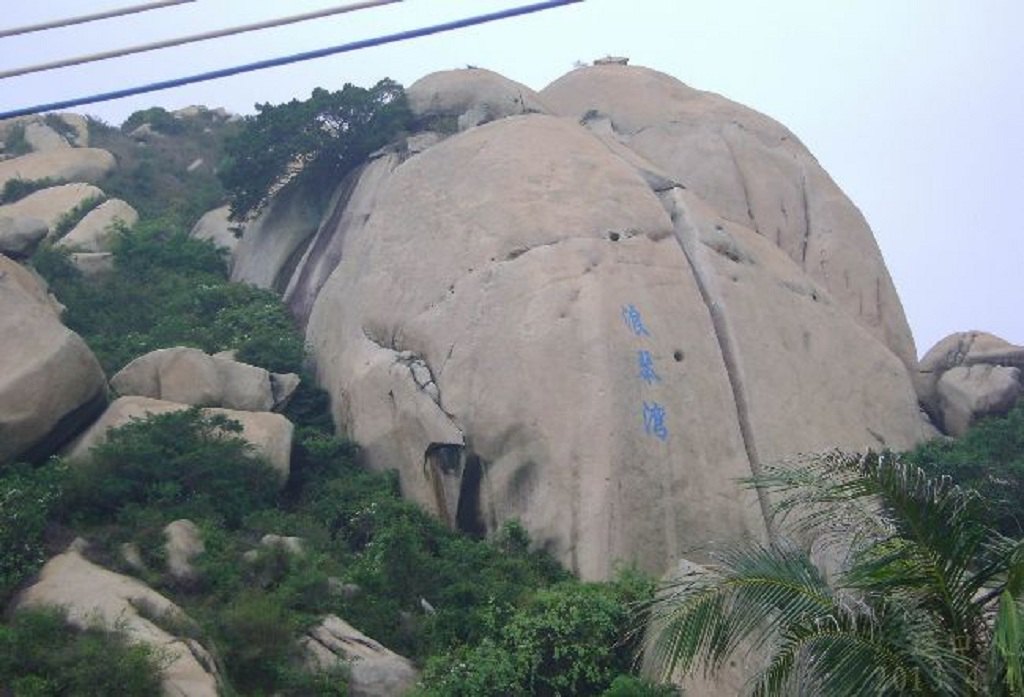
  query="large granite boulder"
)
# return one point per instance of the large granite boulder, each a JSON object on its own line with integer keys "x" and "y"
{"x": 95, "y": 232}
{"x": 269, "y": 434}
{"x": 752, "y": 171}
{"x": 92, "y": 595}
{"x": 51, "y": 204}
{"x": 71, "y": 164}
{"x": 967, "y": 376}
{"x": 470, "y": 97}
{"x": 51, "y": 384}
{"x": 190, "y": 376}
{"x": 374, "y": 670}
{"x": 536, "y": 324}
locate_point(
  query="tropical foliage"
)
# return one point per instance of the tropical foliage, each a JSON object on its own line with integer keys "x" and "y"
{"x": 919, "y": 597}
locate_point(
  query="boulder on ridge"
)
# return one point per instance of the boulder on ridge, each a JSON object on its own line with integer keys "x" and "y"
{"x": 471, "y": 97}
{"x": 51, "y": 204}
{"x": 95, "y": 232}
{"x": 72, "y": 164}
{"x": 51, "y": 384}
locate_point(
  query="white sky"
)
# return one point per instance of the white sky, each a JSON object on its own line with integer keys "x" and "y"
{"x": 915, "y": 107}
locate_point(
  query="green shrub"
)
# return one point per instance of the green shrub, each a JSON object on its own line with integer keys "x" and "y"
{"x": 15, "y": 143}
{"x": 41, "y": 654}
{"x": 158, "y": 118}
{"x": 989, "y": 458}
{"x": 17, "y": 189}
{"x": 28, "y": 498}
{"x": 330, "y": 133}
{"x": 183, "y": 463}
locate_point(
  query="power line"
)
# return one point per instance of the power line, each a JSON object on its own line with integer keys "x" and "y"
{"x": 142, "y": 48}
{"x": 91, "y": 18}
{"x": 294, "y": 58}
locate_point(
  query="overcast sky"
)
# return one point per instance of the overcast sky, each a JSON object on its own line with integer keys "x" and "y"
{"x": 915, "y": 107}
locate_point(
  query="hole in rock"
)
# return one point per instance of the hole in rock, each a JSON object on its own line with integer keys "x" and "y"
{"x": 613, "y": 236}
{"x": 468, "y": 518}
{"x": 678, "y": 356}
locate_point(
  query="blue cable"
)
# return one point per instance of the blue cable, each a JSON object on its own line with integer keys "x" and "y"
{"x": 294, "y": 58}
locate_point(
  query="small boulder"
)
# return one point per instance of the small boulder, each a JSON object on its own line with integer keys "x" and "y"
{"x": 42, "y": 138}
{"x": 95, "y": 231}
{"x": 93, "y": 264}
{"x": 190, "y": 376}
{"x": 183, "y": 543}
{"x": 92, "y": 595}
{"x": 269, "y": 434}
{"x": 20, "y": 236}
{"x": 71, "y": 164}
{"x": 217, "y": 227}
{"x": 374, "y": 670}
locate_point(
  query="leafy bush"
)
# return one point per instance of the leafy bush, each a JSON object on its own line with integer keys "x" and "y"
{"x": 566, "y": 640}
{"x": 15, "y": 143}
{"x": 988, "y": 458}
{"x": 17, "y": 189}
{"x": 327, "y": 135}
{"x": 28, "y": 498}
{"x": 168, "y": 289}
{"x": 183, "y": 463}
{"x": 42, "y": 655}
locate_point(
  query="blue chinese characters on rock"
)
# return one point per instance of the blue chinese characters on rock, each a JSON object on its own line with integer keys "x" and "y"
{"x": 653, "y": 413}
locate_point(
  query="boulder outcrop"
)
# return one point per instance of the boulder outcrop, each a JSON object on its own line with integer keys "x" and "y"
{"x": 269, "y": 434}
{"x": 217, "y": 227}
{"x": 190, "y": 376}
{"x": 51, "y": 384}
{"x": 50, "y": 204}
{"x": 95, "y": 231}
{"x": 19, "y": 236}
{"x": 183, "y": 542}
{"x": 92, "y": 595}
{"x": 537, "y": 324}
{"x": 752, "y": 171}
{"x": 374, "y": 670}
{"x": 71, "y": 164}
{"x": 967, "y": 376}
{"x": 470, "y": 97}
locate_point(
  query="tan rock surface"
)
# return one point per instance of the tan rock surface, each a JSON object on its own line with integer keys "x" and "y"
{"x": 190, "y": 376}
{"x": 269, "y": 434}
{"x": 42, "y": 138}
{"x": 93, "y": 264}
{"x": 481, "y": 333}
{"x": 472, "y": 97}
{"x": 183, "y": 542}
{"x": 50, "y": 382}
{"x": 93, "y": 595}
{"x": 217, "y": 227}
{"x": 374, "y": 670}
{"x": 752, "y": 171}
{"x": 95, "y": 232}
{"x": 50, "y": 204}
{"x": 19, "y": 236}
{"x": 968, "y": 393}
{"x": 73, "y": 164}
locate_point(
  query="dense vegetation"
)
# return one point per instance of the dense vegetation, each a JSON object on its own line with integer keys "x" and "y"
{"x": 318, "y": 140}
{"x": 501, "y": 614}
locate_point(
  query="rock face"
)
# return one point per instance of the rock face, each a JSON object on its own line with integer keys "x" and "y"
{"x": 269, "y": 434}
{"x": 538, "y": 323}
{"x": 374, "y": 670}
{"x": 19, "y": 236}
{"x": 50, "y": 382}
{"x": 471, "y": 97}
{"x": 217, "y": 227}
{"x": 71, "y": 164}
{"x": 967, "y": 376}
{"x": 182, "y": 544}
{"x": 752, "y": 171}
{"x": 95, "y": 231}
{"x": 50, "y": 204}
{"x": 189, "y": 376}
{"x": 93, "y": 595}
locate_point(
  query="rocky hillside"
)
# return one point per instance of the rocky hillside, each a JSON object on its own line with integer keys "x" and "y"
{"x": 587, "y": 313}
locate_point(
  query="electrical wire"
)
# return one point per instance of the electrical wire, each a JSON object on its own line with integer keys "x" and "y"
{"x": 294, "y": 58}
{"x": 205, "y": 36}
{"x": 134, "y": 9}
